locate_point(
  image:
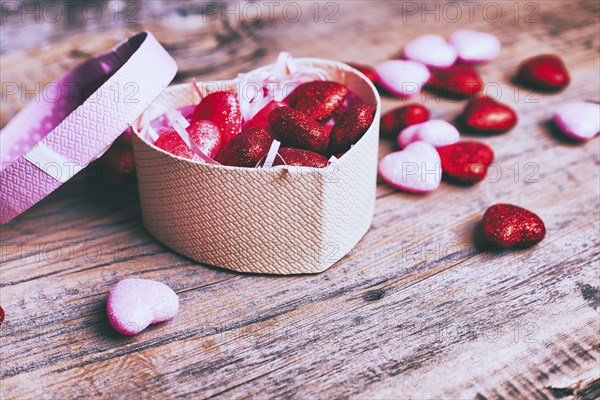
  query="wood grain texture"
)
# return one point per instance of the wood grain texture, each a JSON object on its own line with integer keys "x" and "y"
{"x": 417, "y": 310}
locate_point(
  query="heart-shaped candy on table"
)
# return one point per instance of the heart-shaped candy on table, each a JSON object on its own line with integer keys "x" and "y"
{"x": 436, "y": 132}
{"x": 222, "y": 108}
{"x": 296, "y": 129}
{"x": 474, "y": 46}
{"x": 545, "y": 72}
{"x": 317, "y": 99}
{"x": 133, "y": 304}
{"x": 459, "y": 81}
{"x": 580, "y": 120}
{"x": 366, "y": 70}
{"x": 247, "y": 148}
{"x": 350, "y": 128}
{"x": 415, "y": 169}
{"x": 486, "y": 115}
{"x": 509, "y": 226}
{"x": 300, "y": 158}
{"x": 465, "y": 162}
{"x": 399, "y": 118}
{"x": 431, "y": 50}
{"x": 402, "y": 77}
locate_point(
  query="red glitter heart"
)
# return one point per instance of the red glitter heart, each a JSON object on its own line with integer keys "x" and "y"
{"x": 247, "y": 148}
{"x": 317, "y": 99}
{"x": 545, "y": 72}
{"x": 296, "y": 129}
{"x": 399, "y": 118}
{"x": 508, "y": 226}
{"x": 350, "y": 128}
{"x": 222, "y": 108}
{"x": 486, "y": 115}
{"x": 300, "y": 157}
{"x": 465, "y": 162}
{"x": 458, "y": 81}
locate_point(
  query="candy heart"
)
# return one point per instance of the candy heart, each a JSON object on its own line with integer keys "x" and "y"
{"x": 475, "y": 47}
{"x": 465, "y": 162}
{"x": 486, "y": 115}
{"x": 402, "y": 77}
{"x": 458, "y": 81}
{"x": 366, "y": 70}
{"x": 261, "y": 119}
{"x": 296, "y": 129}
{"x": 431, "y": 50}
{"x": 247, "y": 148}
{"x": 133, "y": 304}
{"x": 300, "y": 157}
{"x": 399, "y": 118}
{"x": 580, "y": 120}
{"x": 205, "y": 134}
{"x": 415, "y": 169}
{"x": 222, "y": 108}
{"x": 350, "y": 128}
{"x": 118, "y": 165}
{"x": 509, "y": 226}
{"x": 545, "y": 72}
{"x": 435, "y": 132}
{"x": 317, "y": 99}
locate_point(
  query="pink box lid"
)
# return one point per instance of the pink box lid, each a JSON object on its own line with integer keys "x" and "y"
{"x": 52, "y": 139}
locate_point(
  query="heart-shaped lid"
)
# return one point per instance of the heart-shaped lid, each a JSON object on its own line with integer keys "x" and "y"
{"x": 77, "y": 119}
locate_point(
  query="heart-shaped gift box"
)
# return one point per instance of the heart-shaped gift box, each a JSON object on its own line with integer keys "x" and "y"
{"x": 279, "y": 220}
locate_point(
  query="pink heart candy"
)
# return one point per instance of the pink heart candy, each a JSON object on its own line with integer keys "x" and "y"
{"x": 580, "y": 120}
{"x": 416, "y": 169}
{"x": 475, "y": 47}
{"x": 402, "y": 77}
{"x": 436, "y": 132}
{"x": 133, "y": 304}
{"x": 431, "y": 50}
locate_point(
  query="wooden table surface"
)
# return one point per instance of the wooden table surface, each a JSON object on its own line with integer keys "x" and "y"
{"x": 417, "y": 310}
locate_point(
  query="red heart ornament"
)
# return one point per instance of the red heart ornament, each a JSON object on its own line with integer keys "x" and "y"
{"x": 545, "y": 72}
{"x": 509, "y": 226}
{"x": 296, "y": 129}
{"x": 350, "y": 128}
{"x": 300, "y": 157}
{"x": 459, "y": 81}
{"x": 205, "y": 134}
{"x": 222, "y": 108}
{"x": 486, "y": 115}
{"x": 399, "y": 118}
{"x": 317, "y": 99}
{"x": 465, "y": 162}
{"x": 366, "y": 70}
{"x": 247, "y": 148}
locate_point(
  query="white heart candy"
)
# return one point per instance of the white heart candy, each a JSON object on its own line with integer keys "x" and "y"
{"x": 431, "y": 50}
{"x": 474, "y": 47}
{"x": 436, "y": 132}
{"x": 416, "y": 169}
{"x": 402, "y": 77}
{"x": 578, "y": 120}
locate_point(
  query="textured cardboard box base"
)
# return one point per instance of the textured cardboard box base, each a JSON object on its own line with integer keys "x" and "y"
{"x": 279, "y": 221}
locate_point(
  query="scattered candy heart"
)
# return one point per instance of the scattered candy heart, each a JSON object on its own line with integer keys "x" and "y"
{"x": 435, "y": 132}
{"x": 222, "y": 108}
{"x": 509, "y": 226}
{"x": 118, "y": 165}
{"x": 317, "y": 99}
{"x": 247, "y": 148}
{"x": 350, "y": 128}
{"x": 486, "y": 115}
{"x": 580, "y": 120}
{"x": 205, "y": 134}
{"x": 296, "y": 129}
{"x": 545, "y": 72}
{"x": 474, "y": 46}
{"x": 261, "y": 119}
{"x": 133, "y": 304}
{"x": 402, "y": 77}
{"x": 431, "y": 50}
{"x": 1, "y": 315}
{"x": 399, "y": 118}
{"x": 300, "y": 157}
{"x": 465, "y": 162}
{"x": 458, "y": 81}
{"x": 366, "y": 70}
{"x": 415, "y": 169}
